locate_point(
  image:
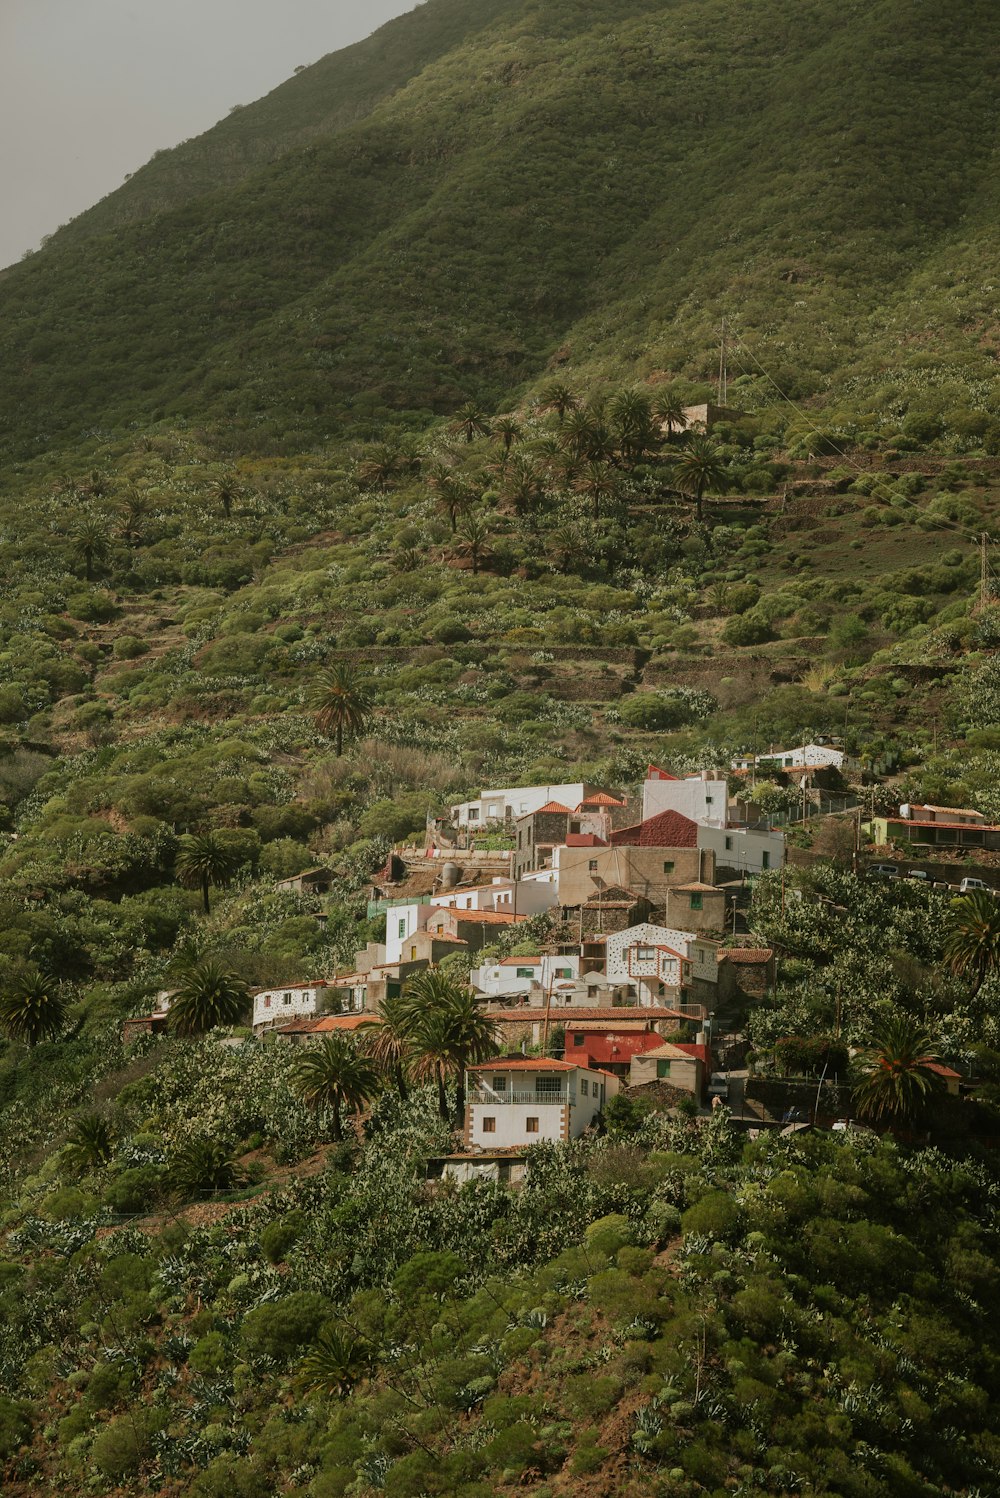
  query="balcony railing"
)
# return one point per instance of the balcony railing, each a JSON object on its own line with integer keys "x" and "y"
{"x": 527, "y": 1095}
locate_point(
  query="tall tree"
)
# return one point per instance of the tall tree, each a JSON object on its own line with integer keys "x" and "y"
{"x": 470, "y": 422}
{"x": 473, "y": 537}
{"x": 896, "y": 1076}
{"x": 450, "y": 495}
{"x": 972, "y": 937}
{"x": 334, "y": 1075}
{"x": 631, "y": 417}
{"x": 389, "y": 1041}
{"x": 451, "y": 1030}
{"x": 598, "y": 482}
{"x": 90, "y": 537}
{"x": 202, "y": 860}
{"x": 207, "y": 994}
{"x": 31, "y": 1007}
{"x": 668, "y": 409}
{"x": 699, "y": 468}
{"x": 509, "y": 431}
{"x": 557, "y": 398}
{"x": 342, "y": 701}
{"x": 227, "y": 491}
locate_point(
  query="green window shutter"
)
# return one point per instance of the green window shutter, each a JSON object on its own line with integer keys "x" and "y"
{"x": 668, "y": 866}
{"x": 765, "y": 860}
{"x": 663, "y": 1070}
{"x": 696, "y": 902}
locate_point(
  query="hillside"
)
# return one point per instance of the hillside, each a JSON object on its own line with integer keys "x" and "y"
{"x": 588, "y": 185}
{"x": 345, "y": 474}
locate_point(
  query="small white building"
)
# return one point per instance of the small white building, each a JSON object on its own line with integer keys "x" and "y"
{"x": 516, "y": 801}
{"x": 521, "y": 1102}
{"x": 519, "y": 975}
{"x": 276, "y": 1006}
{"x": 743, "y": 850}
{"x": 801, "y": 757}
{"x": 402, "y": 922}
{"x": 703, "y": 798}
{"x": 525, "y": 897}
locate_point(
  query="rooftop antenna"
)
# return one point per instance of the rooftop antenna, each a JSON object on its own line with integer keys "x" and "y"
{"x": 723, "y": 371}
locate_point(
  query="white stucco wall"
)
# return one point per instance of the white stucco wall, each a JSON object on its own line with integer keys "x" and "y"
{"x": 274, "y": 1006}
{"x": 700, "y": 800}
{"x": 747, "y": 851}
{"x": 517, "y": 800}
{"x": 502, "y": 979}
{"x": 401, "y": 921}
{"x": 511, "y": 1118}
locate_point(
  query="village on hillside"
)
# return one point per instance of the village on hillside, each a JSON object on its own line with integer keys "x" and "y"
{"x": 605, "y": 938}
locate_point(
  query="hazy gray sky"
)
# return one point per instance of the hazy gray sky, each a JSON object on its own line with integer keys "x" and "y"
{"x": 89, "y": 89}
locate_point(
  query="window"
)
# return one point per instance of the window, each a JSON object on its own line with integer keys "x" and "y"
{"x": 592, "y": 865}
{"x": 548, "y": 1086}
{"x": 696, "y": 902}
{"x": 645, "y": 954}
{"x": 574, "y": 827}
{"x": 668, "y": 866}
{"x": 286, "y": 998}
{"x": 267, "y": 1002}
{"x": 765, "y": 860}
{"x": 564, "y": 972}
{"x": 708, "y": 800}
{"x": 473, "y": 813}
{"x": 663, "y": 1069}
{"x": 524, "y": 972}
{"x": 729, "y": 845}
{"x": 402, "y": 927}
{"x": 499, "y": 1084}
{"x": 489, "y": 1125}
{"x": 413, "y": 954}
{"x": 531, "y": 1125}
{"x": 584, "y": 1087}
{"x": 578, "y": 1039}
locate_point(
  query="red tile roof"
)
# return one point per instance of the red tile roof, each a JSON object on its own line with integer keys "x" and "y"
{"x": 617, "y": 1048}
{"x": 666, "y": 830}
{"x": 526, "y": 1014}
{"x": 600, "y": 798}
{"x": 653, "y": 772}
{"x": 476, "y": 917}
{"x": 288, "y": 987}
{"x": 746, "y": 954}
{"x": 941, "y": 1071}
{"x": 553, "y": 806}
{"x": 325, "y": 1024}
{"x": 520, "y": 961}
{"x": 527, "y": 1063}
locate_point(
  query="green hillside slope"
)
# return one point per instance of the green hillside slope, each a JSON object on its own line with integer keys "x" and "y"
{"x": 593, "y": 184}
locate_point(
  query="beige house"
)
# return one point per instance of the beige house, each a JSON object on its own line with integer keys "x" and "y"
{"x": 668, "y": 1063}
{"x": 649, "y": 872}
{"x": 696, "y": 907}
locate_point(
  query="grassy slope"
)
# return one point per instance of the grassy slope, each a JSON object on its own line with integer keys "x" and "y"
{"x": 552, "y": 184}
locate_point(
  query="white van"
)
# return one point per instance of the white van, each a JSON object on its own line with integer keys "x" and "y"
{"x": 968, "y": 885}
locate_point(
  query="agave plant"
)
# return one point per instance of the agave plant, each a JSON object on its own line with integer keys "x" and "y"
{"x": 202, "y": 1165}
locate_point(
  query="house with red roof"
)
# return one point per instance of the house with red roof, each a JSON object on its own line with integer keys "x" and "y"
{"x": 609, "y": 1044}
{"x": 704, "y": 798}
{"x": 517, "y": 1101}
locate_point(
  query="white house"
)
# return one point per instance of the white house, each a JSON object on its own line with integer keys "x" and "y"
{"x": 703, "y": 798}
{"x": 655, "y": 962}
{"x": 275, "y": 1006}
{"x": 402, "y": 922}
{"x": 521, "y": 1102}
{"x": 743, "y": 850}
{"x": 516, "y": 801}
{"x": 518, "y": 975}
{"x": 803, "y": 756}
{"x": 525, "y": 897}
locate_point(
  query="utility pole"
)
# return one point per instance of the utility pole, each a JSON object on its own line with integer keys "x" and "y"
{"x": 723, "y": 372}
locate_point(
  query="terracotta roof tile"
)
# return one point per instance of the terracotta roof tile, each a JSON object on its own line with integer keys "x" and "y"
{"x": 600, "y": 798}
{"x": 746, "y": 954}
{"x": 669, "y": 829}
{"x": 526, "y": 1063}
{"x": 325, "y": 1024}
{"x": 553, "y": 807}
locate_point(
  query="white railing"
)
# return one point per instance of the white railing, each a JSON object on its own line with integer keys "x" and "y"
{"x": 495, "y": 1098}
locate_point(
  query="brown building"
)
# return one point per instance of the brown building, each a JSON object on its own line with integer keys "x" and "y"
{"x": 696, "y": 907}
{"x": 752, "y": 969}
{"x": 612, "y": 908}
{"x": 477, "y": 928}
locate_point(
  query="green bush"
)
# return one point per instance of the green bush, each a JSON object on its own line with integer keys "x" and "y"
{"x": 15, "y": 1425}
{"x": 716, "y": 1215}
{"x": 278, "y": 1237}
{"x": 280, "y": 1329}
{"x": 134, "y": 1190}
{"x": 120, "y": 1448}
{"x": 231, "y": 1476}
{"x": 209, "y": 1354}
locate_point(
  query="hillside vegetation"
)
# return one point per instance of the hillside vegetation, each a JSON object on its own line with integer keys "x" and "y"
{"x": 580, "y": 183}
{"x": 384, "y": 376}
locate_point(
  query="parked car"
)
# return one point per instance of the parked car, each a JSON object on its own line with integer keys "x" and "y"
{"x": 968, "y": 885}
{"x": 884, "y": 870}
{"x": 920, "y": 874}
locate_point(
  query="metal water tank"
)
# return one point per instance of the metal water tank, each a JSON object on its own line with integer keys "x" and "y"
{"x": 450, "y": 875}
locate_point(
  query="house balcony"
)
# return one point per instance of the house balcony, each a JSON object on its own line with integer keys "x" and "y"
{"x": 532, "y": 1096}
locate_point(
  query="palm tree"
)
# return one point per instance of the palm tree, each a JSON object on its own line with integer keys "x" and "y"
{"x": 558, "y": 398}
{"x": 568, "y": 547}
{"x": 699, "y": 468}
{"x": 448, "y": 492}
{"x": 450, "y": 1031}
{"x": 598, "y": 482}
{"x": 90, "y": 1140}
{"x": 390, "y": 1041}
{"x": 335, "y": 1075}
{"x": 471, "y": 422}
{"x": 972, "y": 937}
{"x": 207, "y": 995}
{"x": 473, "y": 536}
{"x": 202, "y": 860}
{"x": 200, "y": 1166}
{"x": 32, "y": 1008}
{"x": 896, "y": 1072}
{"x": 134, "y": 509}
{"x": 226, "y": 489}
{"x": 90, "y": 537}
{"x": 631, "y": 418}
{"x": 380, "y": 466}
{"x": 523, "y": 485}
{"x": 342, "y": 700}
{"x": 508, "y": 429}
{"x": 668, "y": 409}
{"x": 584, "y": 436}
